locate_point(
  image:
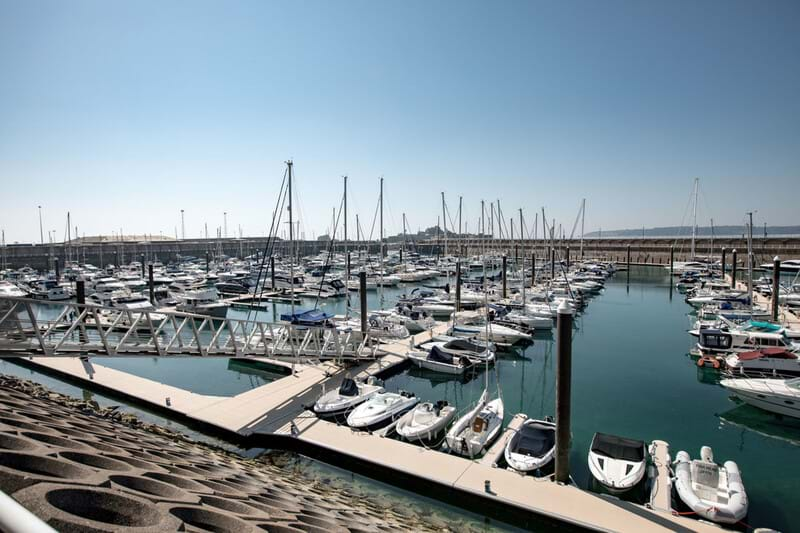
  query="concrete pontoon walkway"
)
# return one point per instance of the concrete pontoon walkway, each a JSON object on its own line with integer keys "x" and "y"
{"x": 278, "y": 408}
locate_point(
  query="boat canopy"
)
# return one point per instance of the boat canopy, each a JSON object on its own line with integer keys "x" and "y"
{"x": 464, "y": 345}
{"x": 772, "y": 353}
{"x": 312, "y": 317}
{"x": 618, "y": 447}
{"x": 767, "y": 326}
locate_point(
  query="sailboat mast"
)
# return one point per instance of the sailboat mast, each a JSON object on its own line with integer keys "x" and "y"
{"x": 404, "y": 236}
{"x": 694, "y": 211}
{"x": 444, "y": 221}
{"x": 583, "y": 219}
{"x": 750, "y": 263}
{"x": 289, "y": 164}
{"x": 381, "y": 246}
{"x": 522, "y": 252}
{"x": 346, "y": 249}
{"x": 711, "y": 248}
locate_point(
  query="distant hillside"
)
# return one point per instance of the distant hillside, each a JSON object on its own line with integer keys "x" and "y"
{"x": 702, "y": 231}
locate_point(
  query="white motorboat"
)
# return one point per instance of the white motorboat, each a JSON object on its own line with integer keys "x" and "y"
{"x": 712, "y": 491}
{"x": 425, "y": 421}
{"x": 478, "y": 428}
{"x": 381, "y": 409}
{"x": 538, "y": 321}
{"x": 532, "y": 446}
{"x": 440, "y": 360}
{"x": 347, "y": 396}
{"x": 617, "y": 463}
{"x": 776, "y": 360}
{"x": 494, "y": 333}
{"x": 780, "y": 396}
{"x": 201, "y": 302}
{"x": 9, "y": 290}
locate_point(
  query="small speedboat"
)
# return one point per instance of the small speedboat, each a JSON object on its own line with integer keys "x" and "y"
{"x": 347, "y": 396}
{"x": 440, "y": 360}
{"x": 712, "y": 491}
{"x": 425, "y": 421}
{"x": 474, "y": 431}
{"x": 381, "y": 409}
{"x": 617, "y": 463}
{"x": 532, "y": 446}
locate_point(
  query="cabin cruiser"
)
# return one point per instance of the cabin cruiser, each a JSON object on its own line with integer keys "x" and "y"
{"x": 9, "y": 290}
{"x": 478, "y": 428}
{"x": 780, "y": 396}
{"x": 712, "y": 491}
{"x": 532, "y": 446}
{"x": 788, "y": 265}
{"x": 720, "y": 341}
{"x": 232, "y": 286}
{"x": 348, "y": 395}
{"x": 426, "y": 421}
{"x": 472, "y": 324}
{"x": 617, "y": 463}
{"x": 284, "y": 281}
{"x": 776, "y": 360}
{"x": 414, "y": 321}
{"x": 201, "y": 302}
{"x": 48, "y": 289}
{"x": 327, "y": 288}
{"x": 382, "y": 408}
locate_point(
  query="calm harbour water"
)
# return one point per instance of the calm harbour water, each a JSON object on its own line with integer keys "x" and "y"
{"x": 631, "y": 377}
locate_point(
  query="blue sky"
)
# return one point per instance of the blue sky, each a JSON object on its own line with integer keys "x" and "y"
{"x": 126, "y": 112}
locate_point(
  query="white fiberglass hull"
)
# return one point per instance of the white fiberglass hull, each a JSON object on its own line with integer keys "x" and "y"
{"x": 463, "y": 440}
{"x": 423, "y": 423}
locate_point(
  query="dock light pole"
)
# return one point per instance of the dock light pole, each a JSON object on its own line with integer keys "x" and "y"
{"x": 567, "y": 253}
{"x": 776, "y": 287}
{"x": 733, "y": 269}
{"x": 362, "y": 295}
{"x": 225, "y": 222}
{"x": 41, "y": 229}
{"x": 563, "y": 391}
{"x": 183, "y": 227}
{"x": 533, "y": 270}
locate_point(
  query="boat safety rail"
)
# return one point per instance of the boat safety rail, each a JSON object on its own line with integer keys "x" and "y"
{"x": 14, "y": 518}
{"x": 767, "y": 377}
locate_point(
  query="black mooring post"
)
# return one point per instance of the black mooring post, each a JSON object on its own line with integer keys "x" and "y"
{"x": 724, "y": 254}
{"x": 208, "y": 262}
{"x": 505, "y": 285}
{"x": 563, "y": 391}
{"x": 58, "y": 270}
{"x": 80, "y": 292}
{"x": 733, "y": 269}
{"x": 552, "y": 264}
{"x": 151, "y": 284}
{"x": 272, "y": 273}
{"x": 141, "y": 260}
{"x": 776, "y": 286}
{"x": 362, "y": 294}
{"x": 458, "y": 286}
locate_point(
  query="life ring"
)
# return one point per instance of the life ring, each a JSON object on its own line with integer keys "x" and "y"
{"x": 716, "y": 363}
{"x": 700, "y": 362}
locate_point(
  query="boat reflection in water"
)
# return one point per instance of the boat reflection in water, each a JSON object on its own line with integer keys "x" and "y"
{"x": 766, "y": 424}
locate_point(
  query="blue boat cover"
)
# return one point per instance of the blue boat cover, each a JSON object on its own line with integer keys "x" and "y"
{"x": 312, "y": 317}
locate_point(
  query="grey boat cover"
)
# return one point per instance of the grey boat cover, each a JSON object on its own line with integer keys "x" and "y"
{"x": 440, "y": 356}
{"x": 618, "y": 447}
{"x": 535, "y": 441}
{"x": 464, "y": 345}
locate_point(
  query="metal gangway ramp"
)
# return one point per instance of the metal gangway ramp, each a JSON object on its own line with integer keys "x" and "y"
{"x": 89, "y": 329}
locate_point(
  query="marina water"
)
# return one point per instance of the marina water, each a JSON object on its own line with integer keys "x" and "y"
{"x": 632, "y": 376}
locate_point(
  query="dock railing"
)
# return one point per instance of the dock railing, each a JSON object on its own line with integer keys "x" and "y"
{"x": 90, "y": 329}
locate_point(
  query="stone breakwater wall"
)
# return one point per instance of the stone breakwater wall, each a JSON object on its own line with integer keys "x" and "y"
{"x": 80, "y": 467}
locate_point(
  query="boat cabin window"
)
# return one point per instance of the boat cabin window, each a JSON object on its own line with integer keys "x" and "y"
{"x": 716, "y": 340}
{"x": 479, "y": 425}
